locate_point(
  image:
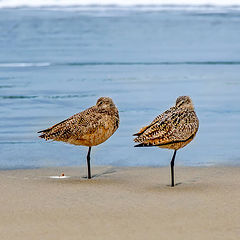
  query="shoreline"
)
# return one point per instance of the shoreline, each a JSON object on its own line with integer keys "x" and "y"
{"x": 177, "y": 165}
{"x": 120, "y": 203}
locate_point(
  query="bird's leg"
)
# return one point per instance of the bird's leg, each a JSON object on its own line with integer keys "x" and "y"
{"x": 88, "y": 163}
{"x": 172, "y": 167}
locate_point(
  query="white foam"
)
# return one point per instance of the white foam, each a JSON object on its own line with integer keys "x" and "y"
{"x": 59, "y": 177}
{"x": 65, "y": 3}
{"x": 21, "y": 65}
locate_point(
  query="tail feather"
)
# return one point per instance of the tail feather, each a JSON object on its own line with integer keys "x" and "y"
{"x": 136, "y": 134}
{"x": 142, "y": 130}
{"x": 45, "y": 133}
{"x": 144, "y": 145}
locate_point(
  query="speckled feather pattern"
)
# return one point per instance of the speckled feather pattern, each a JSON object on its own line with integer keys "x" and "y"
{"x": 173, "y": 129}
{"x": 89, "y": 128}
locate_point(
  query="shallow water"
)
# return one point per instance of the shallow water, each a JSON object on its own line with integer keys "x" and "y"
{"x": 57, "y": 62}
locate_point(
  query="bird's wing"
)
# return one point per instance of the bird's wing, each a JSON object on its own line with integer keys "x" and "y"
{"x": 77, "y": 125}
{"x": 159, "y": 118}
{"x": 174, "y": 125}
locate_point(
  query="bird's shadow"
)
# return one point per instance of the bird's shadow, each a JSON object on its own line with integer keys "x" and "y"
{"x": 176, "y": 184}
{"x": 109, "y": 171}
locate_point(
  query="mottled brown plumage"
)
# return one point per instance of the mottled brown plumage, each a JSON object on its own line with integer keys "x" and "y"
{"x": 88, "y": 128}
{"x": 173, "y": 129}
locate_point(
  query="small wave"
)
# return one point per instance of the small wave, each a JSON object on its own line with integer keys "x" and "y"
{"x": 71, "y": 96}
{"x": 52, "y": 97}
{"x": 6, "y": 86}
{"x": 26, "y": 65}
{"x": 111, "y": 3}
{"x": 17, "y": 97}
{"x": 17, "y": 142}
{"x": 22, "y": 65}
{"x": 154, "y": 63}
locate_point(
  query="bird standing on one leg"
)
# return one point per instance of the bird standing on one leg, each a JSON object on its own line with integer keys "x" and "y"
{"x": 88, "y": 128}
{"x": 173, "y": 129}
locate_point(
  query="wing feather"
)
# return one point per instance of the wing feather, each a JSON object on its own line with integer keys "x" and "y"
{"x": 160, "y": 117}
{"x": 75, "y": 126}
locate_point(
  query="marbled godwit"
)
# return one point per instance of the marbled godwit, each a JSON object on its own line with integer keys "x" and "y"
{"x": 88, "y": 128}
{"x": 173, "y": 129}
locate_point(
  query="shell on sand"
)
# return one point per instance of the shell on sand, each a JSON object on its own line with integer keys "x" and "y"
{"x": 173, "y": 129}
{"x": 89, "y": 128}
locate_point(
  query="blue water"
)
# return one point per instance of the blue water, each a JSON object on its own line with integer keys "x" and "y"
{"x": 57, "y": 62}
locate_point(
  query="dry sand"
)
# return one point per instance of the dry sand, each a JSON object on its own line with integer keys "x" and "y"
{"x": 121, "y": 203}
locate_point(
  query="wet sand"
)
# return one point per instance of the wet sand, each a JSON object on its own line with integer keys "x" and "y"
{"x": 121, "y": 203}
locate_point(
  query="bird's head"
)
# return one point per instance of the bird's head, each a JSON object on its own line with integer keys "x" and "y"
{"x": 184, "y": 102}
{"x": 105, "y": 103}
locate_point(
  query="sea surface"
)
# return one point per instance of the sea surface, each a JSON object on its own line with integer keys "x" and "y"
{"x": 56, "y": 61}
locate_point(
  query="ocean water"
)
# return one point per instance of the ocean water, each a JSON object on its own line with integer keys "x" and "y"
{"x": 56, "y": 61}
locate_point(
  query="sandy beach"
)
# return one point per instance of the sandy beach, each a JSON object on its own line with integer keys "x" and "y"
{"x": 121, "y": 203}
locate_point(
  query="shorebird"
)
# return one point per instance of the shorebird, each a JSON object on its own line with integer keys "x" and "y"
{"x": 89, "y": 128}
{"x": 173, "y": 129}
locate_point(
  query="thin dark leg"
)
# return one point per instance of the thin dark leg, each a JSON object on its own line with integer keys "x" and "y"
{"x": 88, "y": 163}
{"x": 172, "y": 167}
